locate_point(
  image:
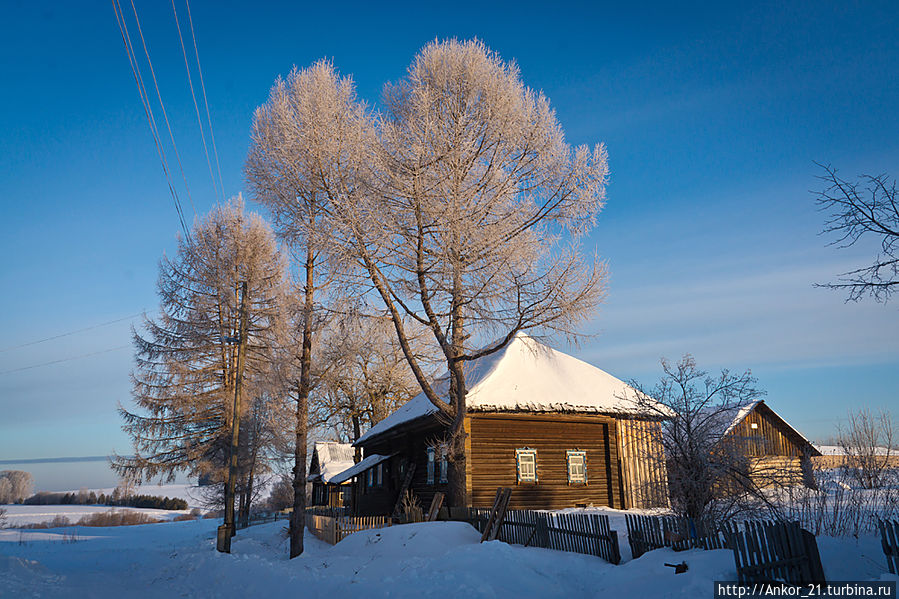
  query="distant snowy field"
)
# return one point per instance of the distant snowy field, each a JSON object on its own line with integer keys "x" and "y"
{"x": 20, "y": 515}
{"x": 439, "y": 559}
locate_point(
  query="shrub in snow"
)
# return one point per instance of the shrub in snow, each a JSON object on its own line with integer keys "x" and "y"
{"x": 117, "y": 518}
{"x": 838, "y": 507}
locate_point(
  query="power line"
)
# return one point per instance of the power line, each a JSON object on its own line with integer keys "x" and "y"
{"x": 90, "y": 328}
{"x": 165, "y": 115}
{"x": 193, "y": 96}
{"x": 205, "y": 101}
{"x": 148, "y": 109}
{"x": 96, "y": 353}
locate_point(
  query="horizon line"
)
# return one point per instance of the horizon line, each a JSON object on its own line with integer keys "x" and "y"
{"x": 91, "y": 458}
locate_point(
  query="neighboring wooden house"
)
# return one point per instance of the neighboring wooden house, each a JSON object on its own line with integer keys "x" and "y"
{"x": 557, "y": 430}
{"x": 836, "y": 456}
{"x": 328, "y": 460}
{"x": 775, "y": 452}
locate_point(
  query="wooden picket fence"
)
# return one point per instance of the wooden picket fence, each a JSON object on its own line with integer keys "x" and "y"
{"x": 332, "y": 512}
{"x": 333, "y": 530}
{"x": 266, "y": 517}
{"x": 645, "y": 533}
{"x": 889, "y": 539}
{"x": 589, "y": 534}
{"x": 768, "y": 551}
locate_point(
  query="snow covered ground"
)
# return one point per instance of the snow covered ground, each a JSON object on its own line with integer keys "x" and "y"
{"x": 20, "y": 515}
{"x": 440, "y": 559}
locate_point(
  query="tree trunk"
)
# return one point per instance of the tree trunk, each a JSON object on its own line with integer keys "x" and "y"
{"x": 357, "y": 432}
{"x": 235, "y": 417}
{"x": 458, "y": 488}
{"x": 298, "y": 518}
{"x": 249, "y": 500}
{"x": 242, "y": 505}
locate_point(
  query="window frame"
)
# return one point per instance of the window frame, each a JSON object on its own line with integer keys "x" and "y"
{"x": 444, "y": 465}
{"x": 576, "y": 453}
{"x": 431, "y": 453}
{"x": 525, "y": 451}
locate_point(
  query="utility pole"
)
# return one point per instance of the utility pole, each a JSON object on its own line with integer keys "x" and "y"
{"x": 227, "y": 530}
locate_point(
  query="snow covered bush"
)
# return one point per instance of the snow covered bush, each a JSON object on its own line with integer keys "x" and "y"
{"x": 839, "y": 507}
{"x": 868, "y": 444}
{"x": 707, "y": 478}
{"x": 15, "y": 485}
{"x": 117, "y": 518}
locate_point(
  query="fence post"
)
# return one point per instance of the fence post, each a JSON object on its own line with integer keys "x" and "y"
{"x": 542, "y": 532}
{"x": 615, "y": 556}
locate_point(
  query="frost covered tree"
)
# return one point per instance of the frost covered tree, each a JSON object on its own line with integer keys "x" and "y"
{"x": 15, "y": 485}
{"x": 868, "y": 442}
{"x": 6, "y": 495}
{"x": 706, "y": 477}
{"x": 367, "y": 378}
{"x": 461, "y": 205}
{"x": 298, "y": 134}
{"x": 186, "y": 359}
{"x": 866, "y": 208}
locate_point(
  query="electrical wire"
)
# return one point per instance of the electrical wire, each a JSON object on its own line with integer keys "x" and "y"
{"x": 148, "y": 109}
{"x": 165, "y": 115}
{"x": 96, "y": 353}
{"x": 193, "y": 96}
{"x": 205, "y": 100}
{"x": 90, "y": 328}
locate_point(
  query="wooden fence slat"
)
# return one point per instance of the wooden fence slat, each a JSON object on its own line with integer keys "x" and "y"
{"x": 889, "y": 541}
{"x": 766, "y": 551}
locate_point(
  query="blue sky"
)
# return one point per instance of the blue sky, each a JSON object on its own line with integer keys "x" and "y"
{"x": 713, "y": 118}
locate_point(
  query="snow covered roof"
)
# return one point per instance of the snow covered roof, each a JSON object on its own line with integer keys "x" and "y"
{"x": 840, "y": 450}
{"x": 528, "y": 376}
{"x": 727, "y": 419}
{"x": 333, "y": 458}
{"x": 372, "y": 460}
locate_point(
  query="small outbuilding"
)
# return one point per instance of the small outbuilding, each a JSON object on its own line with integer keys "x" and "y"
{"x": 776, "y": 453}
{"x": 559, "y": 431}
{"x": 328, "y": 460}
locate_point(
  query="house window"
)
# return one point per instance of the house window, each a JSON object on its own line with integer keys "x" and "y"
{"x": 380, "y": 474}
{"x": 431, "y": 457}
{"x": 370, "y": 477}
{"x": 443, "y": 463}
{"x": 526, "y": 462}
{"x": 577, "y": 467}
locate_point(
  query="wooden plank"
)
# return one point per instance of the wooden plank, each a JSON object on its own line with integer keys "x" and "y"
{"x": 407, "y": 484}
{"x": 436, "y": 504}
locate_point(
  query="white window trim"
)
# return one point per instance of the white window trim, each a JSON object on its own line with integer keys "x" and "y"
{"x": 576, "y": 453}
{"x": 518, "y": 454}
{"x": 431, "y": 458}
{"x": 444, "y": 466}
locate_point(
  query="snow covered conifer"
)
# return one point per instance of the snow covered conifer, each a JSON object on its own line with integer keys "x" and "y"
{"x": 183, "y": 383}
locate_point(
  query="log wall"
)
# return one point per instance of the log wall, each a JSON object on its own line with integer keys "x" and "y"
{"x": 496, "y": 436}
{"x": 645, "y": 477}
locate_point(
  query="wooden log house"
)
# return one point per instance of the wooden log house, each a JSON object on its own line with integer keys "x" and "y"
{"x": 558, "y": 431}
